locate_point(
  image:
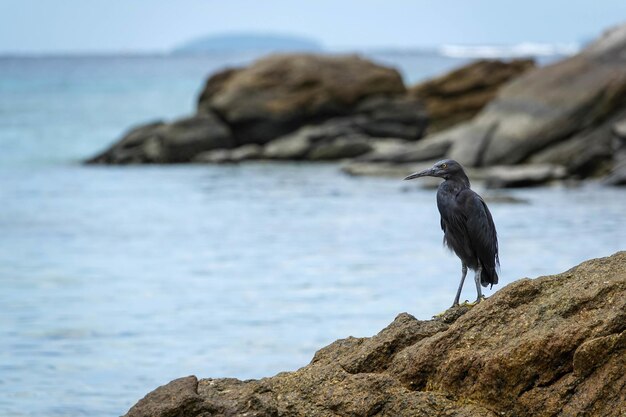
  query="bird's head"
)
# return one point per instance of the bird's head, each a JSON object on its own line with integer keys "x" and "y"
{"x": 446, "y": 169}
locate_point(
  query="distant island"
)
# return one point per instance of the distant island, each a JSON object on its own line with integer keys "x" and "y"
{"x": 241, "y": 42}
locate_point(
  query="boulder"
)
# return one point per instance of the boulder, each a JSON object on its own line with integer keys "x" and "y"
{"x": 617, "y": 175}
{"x": 334, "y": 139}
{"x": 386, "y": 169}
{"x": 247, "y": 152}
{"x": 460, "y": 94}
{"x": 160, "y": 142}
{"x": 216, "y": 156}
{"x": 222, "y": 156}
{"x": 551, "y": 346}
{"x": 341, "y": 148}
{"x": 468, "y": 140}
{"x": 432, "y": 147}
{"x": 515, "y": 176}
{"x": 293, "y": 146}
{"x": 394, "y": 117}
{"x": 277, "y": 94}
{"x": 385, "y": 149}
{"x": 551, "y": 104}
{"x": 140, "y": 144}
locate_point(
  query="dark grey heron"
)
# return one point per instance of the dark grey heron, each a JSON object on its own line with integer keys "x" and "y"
{"x": 467, "y": 225}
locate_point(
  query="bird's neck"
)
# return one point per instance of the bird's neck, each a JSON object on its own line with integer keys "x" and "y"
{"x": 459, "y": 181}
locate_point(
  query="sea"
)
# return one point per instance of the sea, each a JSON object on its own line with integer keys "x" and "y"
{"x": 117, "y": 279}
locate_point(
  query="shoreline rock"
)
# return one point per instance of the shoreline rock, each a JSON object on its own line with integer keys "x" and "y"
{"x": 337, "y": 107}
{"x": 550, "y": 346}
{"x": 313, "y": 107}
{"x": 459, "y": 95}
{"x": 567, "y": 114}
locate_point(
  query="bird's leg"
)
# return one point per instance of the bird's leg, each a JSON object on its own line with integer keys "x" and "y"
{"x": 479, "y": 271}
{"x": 458, "y": 292}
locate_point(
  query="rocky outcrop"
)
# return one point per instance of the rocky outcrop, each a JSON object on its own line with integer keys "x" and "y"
{"x": 554, "y": 103}
{"x": 312, "y": 107}
{"x": 276, "y": 99}
{"x": 618, "y": 173}
{"x": 551, "y": 346}
{"x": 280, "y": 93}
{"x": 562, "y": 114}
{"x": 459, "y": 95}
{"x": 316, "y": 107}
{"x": 174, "y": 142}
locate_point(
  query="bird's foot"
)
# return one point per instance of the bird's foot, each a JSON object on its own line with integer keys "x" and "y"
{"x": 478, "y": 300}
{"x": 472, "y": 304}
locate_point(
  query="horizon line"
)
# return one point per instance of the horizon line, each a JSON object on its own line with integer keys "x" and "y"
{"x": 444, "y": 49}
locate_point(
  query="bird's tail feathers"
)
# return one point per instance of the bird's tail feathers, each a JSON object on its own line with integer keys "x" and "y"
{"x": 488, "y": 276}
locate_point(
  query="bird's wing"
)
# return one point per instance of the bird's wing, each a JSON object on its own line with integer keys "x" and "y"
{"x": 453, "y": 224}
{"x": 481, "y": 229}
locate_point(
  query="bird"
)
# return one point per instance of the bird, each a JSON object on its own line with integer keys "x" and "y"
{"x": 468, "y": 227}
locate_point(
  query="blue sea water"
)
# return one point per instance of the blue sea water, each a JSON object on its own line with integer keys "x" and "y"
{"x": 115, "y": 280}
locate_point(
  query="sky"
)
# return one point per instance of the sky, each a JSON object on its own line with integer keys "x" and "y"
{"x": 74, "y": 26}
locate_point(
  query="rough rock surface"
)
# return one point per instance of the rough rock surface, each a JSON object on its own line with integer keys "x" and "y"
{"x": 459, "y": 95}
{"x": 551, "y": 346}
{"x": 277, "y": 94}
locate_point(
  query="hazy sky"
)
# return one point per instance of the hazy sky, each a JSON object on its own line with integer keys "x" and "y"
{"x": 153, "y": 25}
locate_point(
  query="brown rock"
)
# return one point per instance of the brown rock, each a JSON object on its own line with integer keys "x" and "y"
{"x": 279, "y": 93}
{"x": 552, "y": 346}
{"x": 461, "y": 94}
{"x": 178, "y": 396}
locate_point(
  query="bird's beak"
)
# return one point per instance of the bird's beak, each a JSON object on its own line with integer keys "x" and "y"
{"x": 425, "y": 173}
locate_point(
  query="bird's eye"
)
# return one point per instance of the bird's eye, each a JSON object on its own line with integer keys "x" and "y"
{"x": 444, "y": 166}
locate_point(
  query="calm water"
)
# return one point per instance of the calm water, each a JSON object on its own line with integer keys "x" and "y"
{"x": 118, "y": 279}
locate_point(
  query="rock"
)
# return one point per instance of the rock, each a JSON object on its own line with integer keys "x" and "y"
{"x": 334, "y": 139}
{"x": 140, "y": 144}
{"x": 552, "y": 346}
{"x": 279, "y": 93}
{"x": 518, "y": 351}
{"x": 247, "y": 152}
{"x": 618, "y": 173}
{"x": 553, "y": 103}
{"x": 523, "y": 175}
{"x": 384, "y": 149}
{"x": 379, "y": 169}
{"x": 180, "y": 395}
{"x": 469, "y": 141}
{"x": 396, "y": 117}
{"x": 586, "y": 154}
{"x": 459, "y": 95}
{"x": 433, "y": 147}
{"x": 341, "y": 148}
{"x": 293, "y": 146}
{"x": 496, "y": 198}
{"x": 222, "y": 156}
{"x": 619, "y": 129}
{"x": 216, "y": 156}
{"x": 160, "y": 142}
